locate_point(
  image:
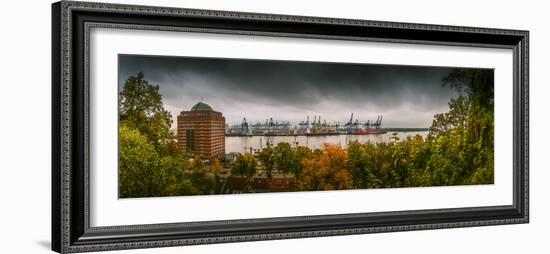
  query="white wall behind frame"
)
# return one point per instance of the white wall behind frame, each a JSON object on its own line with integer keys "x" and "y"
{"x": 24, "y": 128}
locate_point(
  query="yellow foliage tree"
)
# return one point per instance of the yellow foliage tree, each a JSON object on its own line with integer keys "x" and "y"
{"x": 326, "y": 171}
{"x": 216, "y": 167}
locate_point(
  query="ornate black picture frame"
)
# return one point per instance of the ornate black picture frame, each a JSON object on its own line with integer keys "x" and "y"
{"x": 71, "y": 230}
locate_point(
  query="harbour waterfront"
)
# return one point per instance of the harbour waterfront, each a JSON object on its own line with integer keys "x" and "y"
{"x": 241, "y": 144}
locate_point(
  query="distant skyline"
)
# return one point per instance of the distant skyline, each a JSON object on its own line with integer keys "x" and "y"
{"x": 407, "y": 96}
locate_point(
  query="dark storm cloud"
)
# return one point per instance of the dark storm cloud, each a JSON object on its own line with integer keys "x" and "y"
{"x": 407, "y": 96}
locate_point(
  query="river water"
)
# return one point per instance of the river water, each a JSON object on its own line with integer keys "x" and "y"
{"x": 242, "y": 144}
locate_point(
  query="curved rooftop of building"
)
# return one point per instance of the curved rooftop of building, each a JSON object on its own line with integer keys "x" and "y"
{"x": 201, "y": 106}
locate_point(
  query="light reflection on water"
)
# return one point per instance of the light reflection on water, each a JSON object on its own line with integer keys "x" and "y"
{"x": 242, "y": 144}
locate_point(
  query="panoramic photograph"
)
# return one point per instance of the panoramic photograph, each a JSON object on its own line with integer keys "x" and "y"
{"x": 210, "y": 126}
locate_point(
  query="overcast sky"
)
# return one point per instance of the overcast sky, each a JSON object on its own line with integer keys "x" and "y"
{"x": 406, "y": 96}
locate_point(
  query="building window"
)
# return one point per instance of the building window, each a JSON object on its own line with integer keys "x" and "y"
{"x": 190, "y": 140}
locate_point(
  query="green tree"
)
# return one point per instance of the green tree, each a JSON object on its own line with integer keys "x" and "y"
{"x": 457, "y": 116}
{"x": 150, "y": 163}
{"x": 174, "y": 180}
{"x": 476, "y": 84}
{"x": 141, "y": 108}
{"x": 202, "y": 180}
{"x": 358, "y": 164}
{"x": 142, "y": 173}
{"x": 285, "y": 159}
{"x": 267, "y": 158}
{"x": 138, "y": 164}
{"x": 302, "y": 154}
{"x": 244, "y": 165}
{"x": 462, "y": 142}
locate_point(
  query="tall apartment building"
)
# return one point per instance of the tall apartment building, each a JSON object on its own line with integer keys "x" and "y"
{"x": 201, "y": 131}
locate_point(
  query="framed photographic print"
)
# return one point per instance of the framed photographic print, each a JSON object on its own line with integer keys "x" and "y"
{"x": 181, "y": 126}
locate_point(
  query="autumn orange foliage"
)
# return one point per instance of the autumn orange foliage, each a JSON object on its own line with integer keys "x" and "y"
{"x": 326, "y": 171}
